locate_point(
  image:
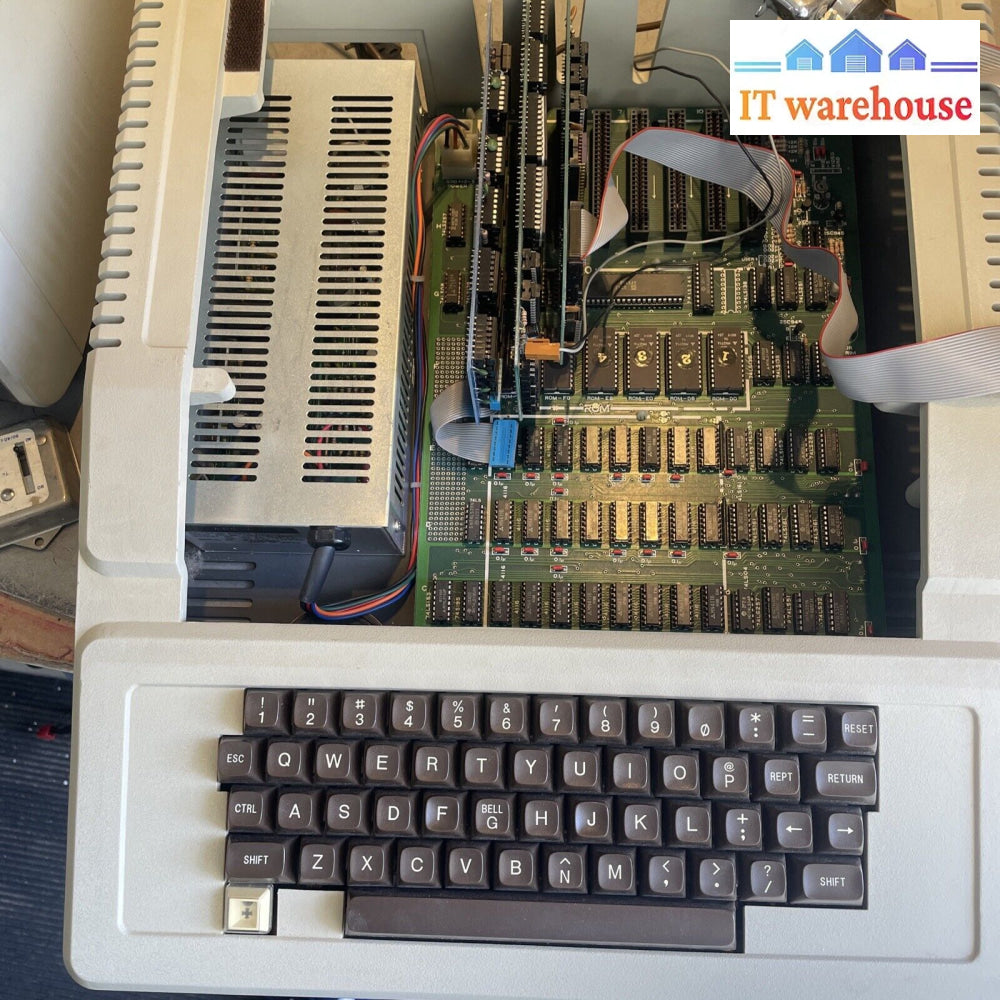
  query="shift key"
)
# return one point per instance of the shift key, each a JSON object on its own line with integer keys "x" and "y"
{"x": 259, "y": 860}
{"x": 845, "y": 781}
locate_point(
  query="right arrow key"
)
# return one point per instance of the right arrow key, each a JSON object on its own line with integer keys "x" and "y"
{"x": 844, "y": 832}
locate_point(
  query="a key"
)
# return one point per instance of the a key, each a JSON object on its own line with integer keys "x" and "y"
{"x": 265, "y": 711}
{"x": 542, "y": 819}
{"x": 615, "y": 874}
{"x": 248, "y": 909}
{"x": 717, "y": 878}
{"x": 592, "y": 820}
{"x": 844, "y": 832}
{"x": 826, "y": 884}
{"x": 679, "y": 774}
{"x": 468, "y": 867}
{"x": 705, "y": 725}
{"x": 395, "y": 816}
{"x": 653, "y": 722}
{"x": 556, "y": 718}
{"x": 361, "y": 713}
{"x": 755, "y": 727}
{"x": 805, "y": 729}
{"x": 259, "y": 860}
{"x": 298, "y": 812}
{"x": 239, "y": 760}
{"x": 507, "y": 717}
{"x": 851, "y": 781}
{"x": 444, "y": 815}
{"x": 314, "y": 712}
{"x": 368, "y": 864}
{"x": 434, "y": 765}
{"x": 337, "y": 763}
{"x": 412, "y": 715}
{"x": 581, "y": 770}
{"x": 483, "y": 767}
{"x": 767, "y": 881}
{"x": 493, "y": 816}
{"x": 566, "y": 871}
{"x": 629, "y": 771}
{"x": 793, "y": 830}
{"x": 419, "y": 866}
{"x": 459, "y": 716}
{"x": 386, "y": 764}
{"x": 741, "y": 826}
{"x": 517, "y": 868}
{"x": 639, "y": 823}
{"x": 781, "y": 779}
{"x": 347, "y": 812}
{"x": 691, "y": 826}
{"x": 532, "y": 768}
{"x": 731, "y": 777}
{"x": 854, "y": 730}
{"x": 321, "y": 863}
{"x": 604, "y": 719}
{"x": 665, "y": 875}
{"x": 249, "y": 810}
{"x": 286, "y": 761}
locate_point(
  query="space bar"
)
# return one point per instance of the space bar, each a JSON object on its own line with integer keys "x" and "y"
{"x": 458, "y": 918}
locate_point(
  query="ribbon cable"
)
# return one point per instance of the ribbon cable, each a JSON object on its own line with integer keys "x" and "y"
{"x": 951, "y": 367}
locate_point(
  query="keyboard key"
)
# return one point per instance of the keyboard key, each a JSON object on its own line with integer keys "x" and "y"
{"x": 717, "y": 878}
{"x": 731, "y": 777}
{"x": 845, "y": 781}
{"x": 321, "y": 863}
{"x": 615, "y": 874}
{"x": 368, "y": 865}
{"x": 259, "y": 860}
{"x": 542, "y": 819}
{"x": 483, "y": 767}
{"x": 419, "y": 866}
{"x": 665, "y": 876}
{"x": 741, "y": 826}
{"x": 313, "y": 713}
{"x": 805, "y": 729}
{"x": 604, "y": 719}
{"x": 238, "y": 760}
{"x": 298, "y": 812}
{"x": 460, "y": 716}
{"x": 566, "y": 871}
{"x": 265, "y": 711}
{"x": 592, "y": 820}
{"x": 361, "y": 714}
{"x": 581, "y": 771}
{"x": 493, "y": 816}
{"x": 781, "y": 778}
{"x": 793, "y": 830}
{"x": 840, "y": 884}
{"x": 576, "y": 922}
{"x": 533, "y": 768}
{"x": 844, "y": 832}
{"x": 507, "y": 718}
{"x": 629, "y": 772}
{"x": 249, "y": 909}
{"x": 347, "y": 812}
{"x": 556, "y": 718}
{"x": 386, "y": 764}
{"x": 396, "y": 816}
{"x": 468, "y": 867}
{"x": 286, "y": 761}
{"x": 434, "y": 765}
{"x": 705, "y": 725}
{"x": 517, "y": 868}
{"x": 855, "y": 730}
{"x": 444, "y": 815}
{"x": 639, "y": 823}
{"x": 653, "y": 722}
{"x": 679, "y": 774}
{"x": 755, "y": 727}
{"x": 691, "y": 826}
{"x": 337, "y": 763}
{"x": 767, "y": 882}
{"x": 412, "y": 715}
{"x": 249, "y": 810}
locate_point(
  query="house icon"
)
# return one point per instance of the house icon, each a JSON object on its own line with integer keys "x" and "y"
{"x": 855, "y": 54}
{"x": 907, "y": 56}
{"x": 805, "y": 55}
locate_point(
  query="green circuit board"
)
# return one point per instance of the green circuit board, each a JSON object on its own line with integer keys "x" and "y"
{"x": 745, "y": 566}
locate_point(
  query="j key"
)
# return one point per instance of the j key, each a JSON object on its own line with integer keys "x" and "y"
{"x": 840, "y": 884}
{"x": 653, "y": 722}
{"x": 793, "y": 830}
{"x": 781, "y": 778}
{"x": 483, "y": 767}
{"x": 639, "y": 823}
{"x": 396, "y": 816}
{"x": 434, "y": 765}
{"x": 468, "y": 867}
{"x": 494, "y": 816}
{"x": 592, "y": 821}
{"x": 337, "y": 763}
{"x": 321, "y": 863}
{"x": 517, "y": 868}
{"x": 717, "y": 878}
{"x": 581, "y": 770}
{"x": 533, "y": 768}
{"x": 691, "y": 826}
{"x": 854, "y": 730}
{"x": 664, "y": 875}
{"x": 741, "y": 826}
{"x": 755, "y": 727}
{"x": 239, "y": 759}
{"x": 313, "y": 712}
{"x": 298, "y": 812}
{"x": 286, "y": 761}
{"x": 556, "y": 718}
{"x": 845, "y": 781}
{"x": 347, "y": 812}
{"x": 412, "y": 715}
{"x": 805, "y": 729}
{"x": 705, "y": 725}
{"x": 507, "y": 718}
{"x": 615, "y": 874}
{"x": 459, "y": 715}
{"x": 766, "y": 882}
{"x": 843, "y": 832}
{"x": 249, "y": 810}
{"x": 444, "y": 815}
{"x": 566, "y": 871}
{"x": 265, "y": 711}
{"x": 259, "y": 860}
{"x": 420, "y": 866}
{"x": 368, "y": 864}
{"x": 361, "y": 714}
{"x": 731, "y": 777}
{"x": 679, "y": 774}
{"x": 542, "y": 819}
{"x": 629, "y": 771}
{"x": 604, "y": 719}
{"x": 386, "y": 764}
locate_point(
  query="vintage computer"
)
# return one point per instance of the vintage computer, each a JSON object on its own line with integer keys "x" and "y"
{"x": 476, "y": 601}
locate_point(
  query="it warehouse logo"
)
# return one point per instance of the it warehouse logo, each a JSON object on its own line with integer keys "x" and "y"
{"x": 892, "y": 77}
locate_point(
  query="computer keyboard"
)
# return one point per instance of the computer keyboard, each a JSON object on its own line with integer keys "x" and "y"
{"x": 555, "y": 819}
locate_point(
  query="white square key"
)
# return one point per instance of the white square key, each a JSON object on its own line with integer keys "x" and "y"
{"x": 248, "y": 909}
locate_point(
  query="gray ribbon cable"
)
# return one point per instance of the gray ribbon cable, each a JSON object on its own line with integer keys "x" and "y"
{"x": 451, "y": 416}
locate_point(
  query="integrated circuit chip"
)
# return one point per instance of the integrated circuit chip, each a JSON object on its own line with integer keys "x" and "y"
{"x": 503, "y": 522}
{"x": 805, "y": 620}
{"x": 742, "y": 611}
{"x": 474, "y": 523}
{"x": 684, "y": 365}
{"x": 646, "y": 290}
{"x": 713, "y": 608}
{"x": 600, "y": 363}
{"x": 681, "y": 607}
{"x": 591, "y": 523}
{"x": 649, "y": 449}
{"x": 836, "y": 613}
{"x": 759, "y": 288}
{"x": 620, "y": 523}
{"x": 827, "y": 451}
{"x": 533, "y": 448}
{"x": 472, "y": 602}
{"x": 560, "y": 604}
{"x": 767, "y": 445}
{"x": 818, "y": 369}
{"x": 500, "y": 602}
{"x": 737, "y": 448}
{"x": 561, "y": 528}
{"x": 591, "y": 459}
{"x": 651, "y": 607}
{"x": 650, "y": 524}
{"x": 562, "y": 447}
{"x": 455, "y": 224}
{"x": 797, "y": 450}
{"x": 770, "y": 526}
{"x": 557, "y": 378}
{"x": 591, "y": 601}
{"x": 702, "y": 289}
{"x": 679, "y": 525}
{"x": 773, "y": 609}
{"x": 678, "y": 449}
{"x": 441, "y": 602}
{"x": 726, "y": 367}
{"x": 739, "y": 525}
{"x": 711, "y": 532}
{"x": 765, "y": 363}
{"x": 453, "y": 294}
{"x": 531, "y": 604}
{"x": 800, "y": 524}
{"x": 710, "y": 448}
{"x": 620, "y": 448}
{"x": 620, "y": 606}
{"x": 831, "y": 527}
{"x": 642, "y": 362}
{"x": 531, "y": 522}
{"x": 786, "y": 288}
{"x": 793, "y": 359}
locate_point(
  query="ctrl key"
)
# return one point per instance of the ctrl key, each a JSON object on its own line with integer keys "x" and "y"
{"x": 258, "y": 861}
{"x": 827, "y": 884}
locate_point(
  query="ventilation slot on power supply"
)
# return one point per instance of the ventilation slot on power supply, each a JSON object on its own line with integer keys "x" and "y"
{"x": 349, "y": 294}
{"x": 225, "y": 443}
